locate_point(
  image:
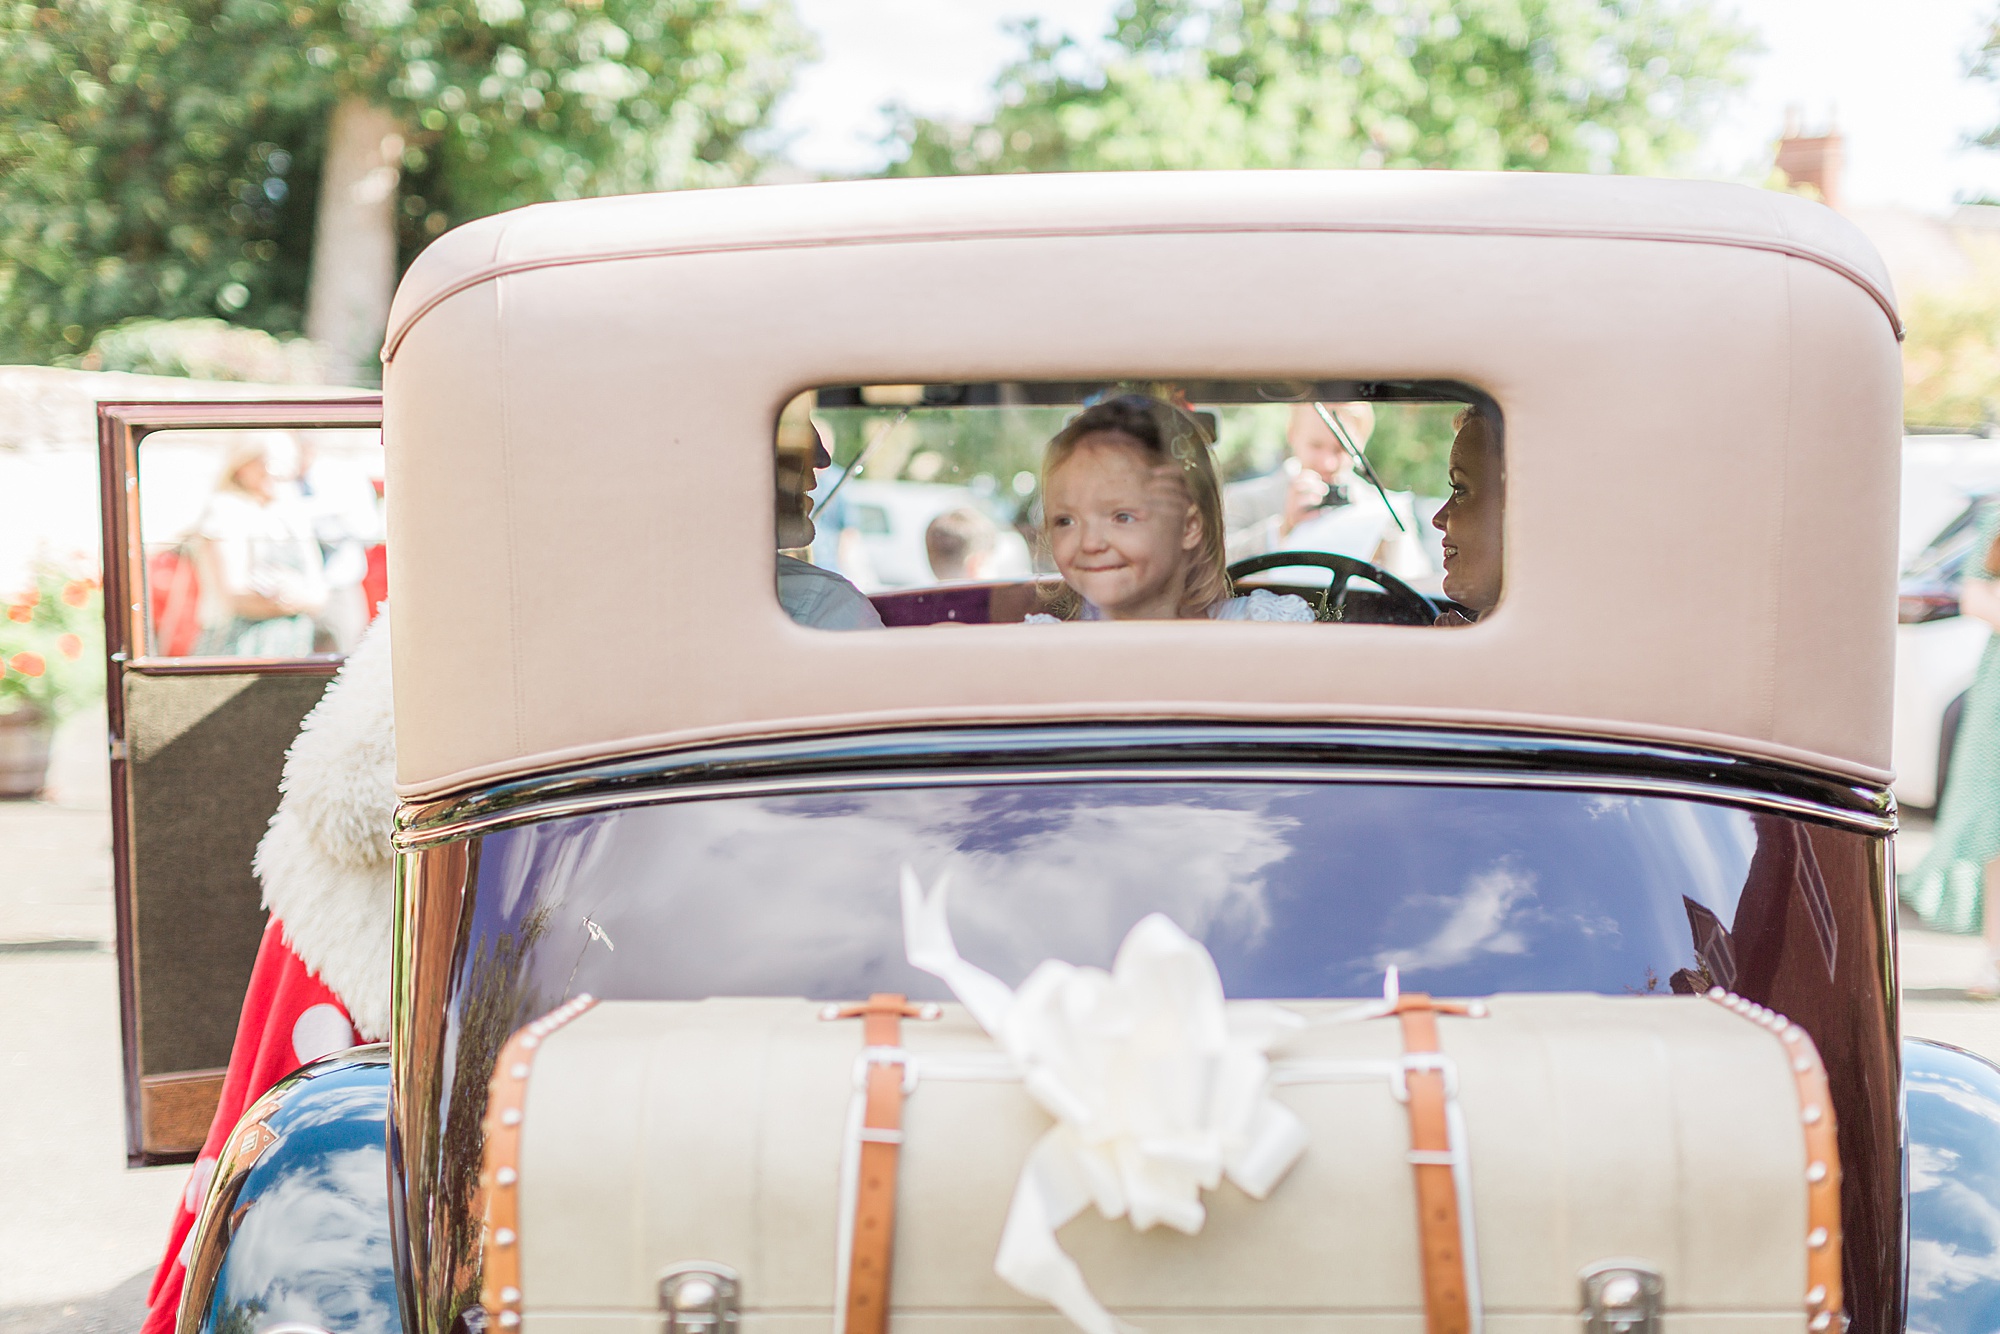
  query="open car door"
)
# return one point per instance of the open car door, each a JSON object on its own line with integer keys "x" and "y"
{"x": 242, "y": 556}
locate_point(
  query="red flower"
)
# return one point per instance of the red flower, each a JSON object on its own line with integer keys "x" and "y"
{"x": 31, "y": 597}
{"x": 71, "y": 646}
{"x": 27, "y": 664}
{"x": 23, "y": 612}
{"x": 76, "y": 593}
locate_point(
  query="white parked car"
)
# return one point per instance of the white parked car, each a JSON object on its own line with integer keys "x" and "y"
{"x": 877, "y": 534}
{"x": 1937, "y": 649}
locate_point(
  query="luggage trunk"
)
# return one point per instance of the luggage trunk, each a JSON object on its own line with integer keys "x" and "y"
{"x": 1673, "y": 1134}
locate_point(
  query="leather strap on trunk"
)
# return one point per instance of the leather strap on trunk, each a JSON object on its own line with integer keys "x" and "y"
{"x": 1440, "y": 1228}
{"x": 874, "y": 1231}
{"x": 499, "y": 1200}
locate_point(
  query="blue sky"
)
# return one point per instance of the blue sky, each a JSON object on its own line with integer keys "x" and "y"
{"x": 1889, "y": 73}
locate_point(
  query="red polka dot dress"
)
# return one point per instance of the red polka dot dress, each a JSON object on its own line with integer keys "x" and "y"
{"x": 289, "y": 1019}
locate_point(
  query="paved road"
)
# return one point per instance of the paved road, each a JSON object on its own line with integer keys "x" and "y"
{"x": 79, "y": 1233}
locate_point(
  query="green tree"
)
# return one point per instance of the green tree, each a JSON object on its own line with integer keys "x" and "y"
{"x": 1556, "y": 85}
{"x": 1951, "y": 359}
{"x": 164, "y": 157}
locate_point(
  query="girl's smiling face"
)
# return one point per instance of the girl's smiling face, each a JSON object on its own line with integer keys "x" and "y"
{"x": 1121, "y": 528}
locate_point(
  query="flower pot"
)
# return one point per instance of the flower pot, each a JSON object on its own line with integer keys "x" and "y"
{"x": 24, "y": 751}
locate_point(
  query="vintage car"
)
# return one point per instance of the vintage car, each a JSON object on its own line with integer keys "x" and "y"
{"x": 1653, "y": 773}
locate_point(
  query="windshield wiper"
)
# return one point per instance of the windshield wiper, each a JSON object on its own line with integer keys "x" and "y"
{"x": 859, "y": 459}
{"x": 1360, "y": 461}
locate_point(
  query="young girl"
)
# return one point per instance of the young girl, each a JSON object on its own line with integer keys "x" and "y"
{"x": 1133, "y": 516}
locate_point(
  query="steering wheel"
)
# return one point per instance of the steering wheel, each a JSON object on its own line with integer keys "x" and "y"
{"x": 1404, "y": 605}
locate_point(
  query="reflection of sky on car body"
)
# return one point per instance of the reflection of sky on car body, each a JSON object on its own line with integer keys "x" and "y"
{"x": 1297, "y": 889}
{"x": 1954, "y": 1119}
{"x": 308, "y": 1238}
{"x": 317, "y": 1239}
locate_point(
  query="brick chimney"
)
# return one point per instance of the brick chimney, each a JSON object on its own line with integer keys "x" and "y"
{"x": 1811, "y": 159}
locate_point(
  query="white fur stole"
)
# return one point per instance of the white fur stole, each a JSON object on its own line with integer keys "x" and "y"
{"x": 326, "y": 863}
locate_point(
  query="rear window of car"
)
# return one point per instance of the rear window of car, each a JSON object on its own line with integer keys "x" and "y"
{"x": 1299, "y": 889}
{"x": 922, "y": 504}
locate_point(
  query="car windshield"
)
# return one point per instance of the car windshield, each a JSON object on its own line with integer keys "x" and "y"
{"x": 1299, "y": 889}
{"x": 999, "y": 502}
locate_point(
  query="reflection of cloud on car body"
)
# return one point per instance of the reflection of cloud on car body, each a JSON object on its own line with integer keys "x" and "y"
{"x": 319, "y": 1232}
{"x": 1939, "y": 1268}
{"x": 1930, "y": 1166}
{"x": 1486, "y": 919}
{"x": 1202, "y": 871}
{"x": 1494, "y": 915}
{"x": 1026, "y": 883}
{"x": 336, "y": 1106}
{"x": 1957, "y": 1093}
{"x": 1959, "y": 1245}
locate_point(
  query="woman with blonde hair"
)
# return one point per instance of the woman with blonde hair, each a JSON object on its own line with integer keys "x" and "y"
{"x": 262, "y": 576}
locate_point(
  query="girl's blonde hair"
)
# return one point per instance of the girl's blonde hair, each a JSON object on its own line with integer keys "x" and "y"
{"x": 1166, "y": 435}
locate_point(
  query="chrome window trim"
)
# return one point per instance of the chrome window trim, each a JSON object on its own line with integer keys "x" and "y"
{"x": 411, "y": 840}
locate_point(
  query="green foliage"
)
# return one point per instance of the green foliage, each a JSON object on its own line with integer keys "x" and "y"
{"x": 1951, "y": 359}
{"x": 1985, "y": 64}
{"x": 160, "y": 157}
{"x": 204, "y": 350}
{"x": 132, "y": 176}
{"x": 997, "y": 452}
{"x": 1555, "y": 85}
{"x": 52, "y": 643}
{"x": 1410, "y": 449}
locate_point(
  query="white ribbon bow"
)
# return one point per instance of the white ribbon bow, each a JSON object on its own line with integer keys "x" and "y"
{"x": 1159, "y": 1089}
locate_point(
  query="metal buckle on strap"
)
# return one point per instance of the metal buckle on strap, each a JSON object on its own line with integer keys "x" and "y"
{"x": 886, "y": 1056}
{"x": 1417, "y": 1062}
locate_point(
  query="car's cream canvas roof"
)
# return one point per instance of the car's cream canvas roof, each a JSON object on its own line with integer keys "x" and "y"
{"x": 1700, "y": 386}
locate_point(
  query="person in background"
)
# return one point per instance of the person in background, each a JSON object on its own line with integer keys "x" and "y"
{"x": 346, "y": 520}
{"x": 1470, "y": 519}
{"x": 1315, "y": 502}
{"x": 1956, "y": 887}
{"x": 262, "y": 578}
{"x": 962, "y": 544}
{"x": 812, "y": 595}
